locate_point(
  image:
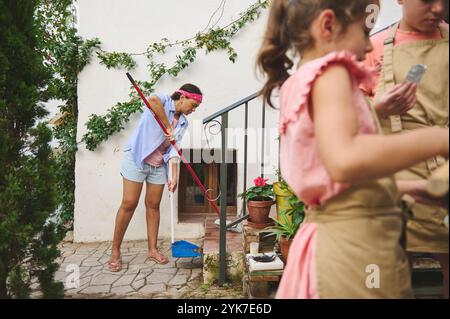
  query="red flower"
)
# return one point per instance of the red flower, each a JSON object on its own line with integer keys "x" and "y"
{"x": 260, "y": 182}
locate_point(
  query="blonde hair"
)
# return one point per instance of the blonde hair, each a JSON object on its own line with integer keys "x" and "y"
{"x": 289, "y": 28}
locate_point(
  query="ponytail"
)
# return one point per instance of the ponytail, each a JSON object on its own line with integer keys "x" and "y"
{"x": 272, "y": 58}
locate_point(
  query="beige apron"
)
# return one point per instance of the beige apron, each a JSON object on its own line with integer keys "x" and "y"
{"x": 360, "y": 234}
{"x": 360, "y": 229}
{"x": 426, "y": 230}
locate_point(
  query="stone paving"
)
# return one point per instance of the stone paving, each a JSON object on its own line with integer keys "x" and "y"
{"x": 139, "y": 278}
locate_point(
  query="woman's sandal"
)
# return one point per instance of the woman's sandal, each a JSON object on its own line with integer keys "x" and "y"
{"x": 161, "y": 260}
{"x": 115, "y": 266}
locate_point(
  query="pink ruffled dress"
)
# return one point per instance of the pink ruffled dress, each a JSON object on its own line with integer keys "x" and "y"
{"x": 302, "y": 167}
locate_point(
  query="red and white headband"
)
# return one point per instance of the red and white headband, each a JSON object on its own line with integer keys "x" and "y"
{"x": 196, "y": 97}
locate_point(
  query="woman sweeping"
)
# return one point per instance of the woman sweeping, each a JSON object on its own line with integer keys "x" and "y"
{"x": 148, "y": 156}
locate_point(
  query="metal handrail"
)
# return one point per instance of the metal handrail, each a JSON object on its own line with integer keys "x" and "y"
{"x": 231, "y": 107}
{"x": 223, "y": 114}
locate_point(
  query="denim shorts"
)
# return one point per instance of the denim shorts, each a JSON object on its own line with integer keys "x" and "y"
{"x": 150, "y": 174}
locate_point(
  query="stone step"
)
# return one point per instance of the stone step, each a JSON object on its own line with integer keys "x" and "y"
{"x": 235, "y": 254}
{"x": 211, "y": 242}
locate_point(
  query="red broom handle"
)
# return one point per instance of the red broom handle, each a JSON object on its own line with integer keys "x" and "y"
{"x": 213, "y": 204}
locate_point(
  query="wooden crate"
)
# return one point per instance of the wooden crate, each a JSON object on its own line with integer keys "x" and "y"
{"x": 262, "y": 284}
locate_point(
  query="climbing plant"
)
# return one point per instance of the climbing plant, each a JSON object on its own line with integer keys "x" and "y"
{"x": 99, "y": 128}
{"x": 65, "y": 55}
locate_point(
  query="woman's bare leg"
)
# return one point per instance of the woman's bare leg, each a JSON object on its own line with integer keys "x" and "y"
{"x": 153, "y": 197}
{"x": 130, "y": 200}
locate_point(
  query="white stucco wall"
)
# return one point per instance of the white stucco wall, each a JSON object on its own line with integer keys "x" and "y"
{"x": 130, "y": 26}
{"x": 391, "y": 12}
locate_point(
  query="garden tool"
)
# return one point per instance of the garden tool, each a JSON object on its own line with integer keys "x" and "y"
{"x": 180, "y": 248}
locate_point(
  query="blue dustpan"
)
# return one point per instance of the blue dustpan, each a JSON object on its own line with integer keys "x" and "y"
{"x": 184, "y": 249}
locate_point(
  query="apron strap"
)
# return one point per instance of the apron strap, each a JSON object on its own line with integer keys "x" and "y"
{"x": 389, "y": 80}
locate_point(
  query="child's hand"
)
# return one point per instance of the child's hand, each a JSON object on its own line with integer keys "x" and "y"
{"x": 427, "y": 199}
{"x": 172, "y": 185}
{"x": 418, "y": 190}
{"x": 398, "y": 100}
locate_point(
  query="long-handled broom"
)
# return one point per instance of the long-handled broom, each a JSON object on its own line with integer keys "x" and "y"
{"x": 180, "y": 249}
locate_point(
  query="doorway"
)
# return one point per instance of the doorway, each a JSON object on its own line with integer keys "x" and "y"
{"x": 192, "y": 203}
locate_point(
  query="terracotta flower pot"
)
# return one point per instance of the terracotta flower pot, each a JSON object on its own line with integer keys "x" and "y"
{"x": 284, "y": 247}
{"x": 259, "y": 211}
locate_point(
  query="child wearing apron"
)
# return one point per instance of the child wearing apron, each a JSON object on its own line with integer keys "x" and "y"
{"x": 332, "y": 157}
{"x": 397, "y": 51}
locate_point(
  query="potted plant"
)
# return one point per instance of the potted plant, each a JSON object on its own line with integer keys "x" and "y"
{"x": 282, "y": 193}
{"x": 286, "y": 228}
{"x": 259, "y": 200}
{"x": 296, "y": 210}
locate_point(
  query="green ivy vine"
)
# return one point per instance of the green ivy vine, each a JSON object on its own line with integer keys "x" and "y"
{"x": 100, "y": 128}
{"x": 65, "y": 55}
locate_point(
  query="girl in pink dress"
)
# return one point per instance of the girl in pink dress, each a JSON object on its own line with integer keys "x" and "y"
{"x": 351, "y": 244}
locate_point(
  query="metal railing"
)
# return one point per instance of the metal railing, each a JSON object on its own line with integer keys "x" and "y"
{"x": 223, "y": 114}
